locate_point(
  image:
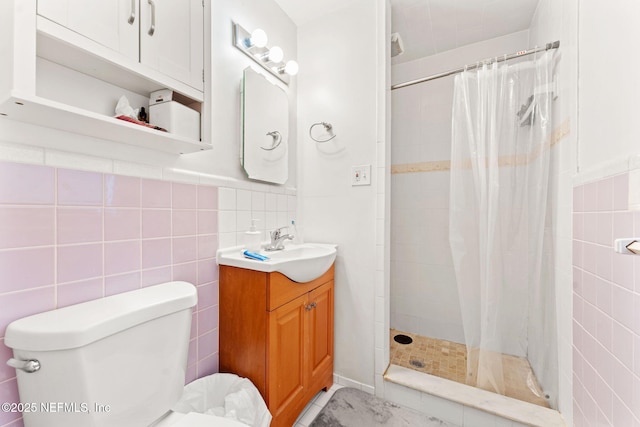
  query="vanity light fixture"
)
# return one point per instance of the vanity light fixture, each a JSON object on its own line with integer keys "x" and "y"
{"x": 275, "y": 54}
{"x": 258, "y": 38}
{"x": 254, "y": 45}
{"x": 291, "y": 68}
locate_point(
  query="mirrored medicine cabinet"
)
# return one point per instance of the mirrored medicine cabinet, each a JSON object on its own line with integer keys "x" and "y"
{"x": 265, "y": 129}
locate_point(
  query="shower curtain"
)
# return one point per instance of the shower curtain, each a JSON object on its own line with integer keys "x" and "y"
{"x": 502, "y": 123}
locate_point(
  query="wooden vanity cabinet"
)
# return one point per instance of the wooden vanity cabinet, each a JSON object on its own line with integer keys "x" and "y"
{"x": 279, "y": 334}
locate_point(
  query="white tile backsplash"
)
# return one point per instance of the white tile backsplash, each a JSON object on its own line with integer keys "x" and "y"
{"x": 227, "y": 199}
{"x": 258, "y": 201}
{"x": 237, "y": 207}
{"x": 271, "y": 202}
{"x": 243, "y": 200}
{"x": 282, "y": 205}
{"x": 227, "y": 221}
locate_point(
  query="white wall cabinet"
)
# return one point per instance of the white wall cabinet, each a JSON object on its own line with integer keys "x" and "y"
{"x": 166, "y": 35}
{"x": 114, "y": 24}
{"x": 171, "y": 38}
{"x": 107, "y": 46}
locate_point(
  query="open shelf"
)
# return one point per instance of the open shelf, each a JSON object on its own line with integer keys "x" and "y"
{"x": 44, "y": 112}
{"x": 76, "y": 92}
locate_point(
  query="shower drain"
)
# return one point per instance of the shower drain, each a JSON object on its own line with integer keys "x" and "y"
{"x": 416, "y": 363}
{"x": 402, "y": 339}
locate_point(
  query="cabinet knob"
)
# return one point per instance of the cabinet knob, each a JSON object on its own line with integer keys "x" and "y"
{"x": 310, "y": 306}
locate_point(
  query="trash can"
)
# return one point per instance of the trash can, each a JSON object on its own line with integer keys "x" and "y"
{"x": 225, "y": 395}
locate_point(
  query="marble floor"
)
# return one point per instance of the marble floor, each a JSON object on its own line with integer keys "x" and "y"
{"x": 314, "y": 407}
{"x": 448, "y": 360}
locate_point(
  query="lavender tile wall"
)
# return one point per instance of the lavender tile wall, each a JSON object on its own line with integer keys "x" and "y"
{"x": 68, "y": 236}
{"x": 606, "y": 312}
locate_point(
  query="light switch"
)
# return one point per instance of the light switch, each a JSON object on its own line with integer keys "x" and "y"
{"x": 361, "y": 175}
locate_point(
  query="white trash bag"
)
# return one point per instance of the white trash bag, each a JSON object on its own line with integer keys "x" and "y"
{"x": 225, "y": 395}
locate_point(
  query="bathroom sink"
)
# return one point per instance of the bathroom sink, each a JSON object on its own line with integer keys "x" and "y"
{"x": 300, "y": 263}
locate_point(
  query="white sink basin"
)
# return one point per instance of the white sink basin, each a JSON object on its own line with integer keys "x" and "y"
{"x": 300, "y": 263}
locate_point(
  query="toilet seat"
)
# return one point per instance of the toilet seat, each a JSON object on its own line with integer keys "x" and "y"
{"x": 194, "y": 419}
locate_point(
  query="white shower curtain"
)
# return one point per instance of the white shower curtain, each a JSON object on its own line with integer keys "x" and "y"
{"x": 501, "y": 138}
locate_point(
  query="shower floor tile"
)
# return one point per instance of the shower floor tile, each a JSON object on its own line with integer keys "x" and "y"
{"x": 448, "y": 360}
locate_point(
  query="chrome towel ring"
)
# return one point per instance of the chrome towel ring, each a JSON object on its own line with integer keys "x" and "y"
{"x": 277, "y": 140}
{"x": 327, "y": 127}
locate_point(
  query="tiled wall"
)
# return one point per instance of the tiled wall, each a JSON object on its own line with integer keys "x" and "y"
{"x": 424, "y": 294}
{"x": 270, "y": 210}
{"x": 606, "y": 307}
{"x": 70, "y": 236}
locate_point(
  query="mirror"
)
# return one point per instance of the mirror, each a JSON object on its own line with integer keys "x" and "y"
{"x": 265, "y": 129}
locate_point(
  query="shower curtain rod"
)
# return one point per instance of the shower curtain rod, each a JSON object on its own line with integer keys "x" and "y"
{"x": 553, "y": 45}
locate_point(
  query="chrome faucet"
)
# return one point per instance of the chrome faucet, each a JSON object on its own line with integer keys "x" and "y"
{"x": 277, "y": 239}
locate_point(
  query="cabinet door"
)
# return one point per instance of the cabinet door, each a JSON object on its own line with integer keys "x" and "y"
{"x": 172, "y": 37}
{"x": 320, "y": 335}
{"x": 286, "y": 357}
{"x": 113, "y": 23}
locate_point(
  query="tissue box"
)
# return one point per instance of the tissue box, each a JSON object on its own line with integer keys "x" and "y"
{"x": 176, "y": 118}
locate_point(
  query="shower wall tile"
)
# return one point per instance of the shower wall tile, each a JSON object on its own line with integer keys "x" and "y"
{"x": 69, "y": 236}
{"x": 606, "y": 332}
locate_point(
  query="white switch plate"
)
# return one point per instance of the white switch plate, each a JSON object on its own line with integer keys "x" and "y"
{"x": 361, "y": 175}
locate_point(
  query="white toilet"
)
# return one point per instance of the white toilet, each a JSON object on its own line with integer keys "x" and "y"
{"x": 118, "y": 361}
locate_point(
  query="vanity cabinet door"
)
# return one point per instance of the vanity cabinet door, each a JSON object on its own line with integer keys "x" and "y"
{"x": 113, "y": 23}
{"x": 320, "y": 336}
{"x": 286, "y": 359}
{"x": 172, "y": 37}
{"x": 279, "y": 334}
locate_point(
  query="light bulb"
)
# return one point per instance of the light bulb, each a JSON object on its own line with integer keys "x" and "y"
{"x": 258, "y": 38}
{"x": 275, "y": 54}
{"x": 291, "y": 68}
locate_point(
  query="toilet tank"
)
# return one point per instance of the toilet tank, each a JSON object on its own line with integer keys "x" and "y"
{"x": 116, "y": 361}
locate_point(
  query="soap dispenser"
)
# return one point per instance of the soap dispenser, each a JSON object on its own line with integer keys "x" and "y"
{"x": 252, "y": 239}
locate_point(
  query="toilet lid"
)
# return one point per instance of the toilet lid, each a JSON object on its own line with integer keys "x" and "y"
{"x": 194, "y": 419}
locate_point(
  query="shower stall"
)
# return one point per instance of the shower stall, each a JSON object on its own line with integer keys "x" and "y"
{"x": 472, "y": 283}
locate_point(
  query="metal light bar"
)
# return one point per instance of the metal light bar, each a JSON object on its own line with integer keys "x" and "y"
{"x": 548, "y": 46}
{"x": 256, "y": 53}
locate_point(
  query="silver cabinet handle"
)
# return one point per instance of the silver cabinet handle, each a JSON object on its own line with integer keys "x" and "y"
{"x": 152, "y": 29}
{"x": 29, "y": 366}
{"x": 132, "y": 17}
{"x": 310, "y": 306}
